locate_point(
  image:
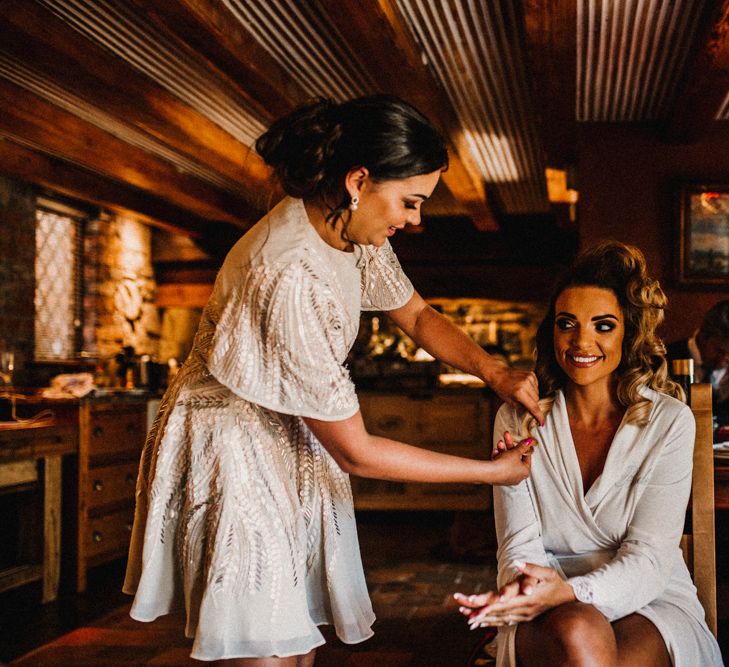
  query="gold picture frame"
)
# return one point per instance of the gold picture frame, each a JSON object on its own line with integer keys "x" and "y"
{"x": 703, "y": 236}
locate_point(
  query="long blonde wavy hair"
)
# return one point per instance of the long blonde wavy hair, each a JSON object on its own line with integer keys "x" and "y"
{"x": 620, "y": 268}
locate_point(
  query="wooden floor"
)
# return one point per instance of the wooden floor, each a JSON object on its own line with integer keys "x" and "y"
{"x": 411, "y": 573}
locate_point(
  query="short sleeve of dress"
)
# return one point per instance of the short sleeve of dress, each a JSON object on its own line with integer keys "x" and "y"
{"x": 279, "y": 342}
{"x": 384, "y": 284}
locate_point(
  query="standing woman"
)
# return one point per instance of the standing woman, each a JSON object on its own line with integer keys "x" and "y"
{"x": 244, "y": 509}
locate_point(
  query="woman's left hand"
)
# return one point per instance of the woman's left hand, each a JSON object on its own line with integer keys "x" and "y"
{"x": 535, "y": 591}
{"x": 516, "y": 388}
{"x": 507, "y": 443}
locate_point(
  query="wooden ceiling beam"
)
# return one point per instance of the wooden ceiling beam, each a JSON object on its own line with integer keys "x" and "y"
{"x": 378, "y": 37}
{"x": 24, "y": 163}
{"x": 551, "y": 52}
{"x": 705, "y": 84}
{"x": 59, "y": 133}
{"x": 214, "y": 33}
{"x": 43, "y": 41}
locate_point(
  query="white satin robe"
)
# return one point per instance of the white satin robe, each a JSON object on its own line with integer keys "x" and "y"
{"x": 617, "y": 544}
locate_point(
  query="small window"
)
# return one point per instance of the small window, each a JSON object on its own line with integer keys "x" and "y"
{"x": 58, "y": 276}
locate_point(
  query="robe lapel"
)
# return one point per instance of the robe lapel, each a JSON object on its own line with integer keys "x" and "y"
{"x": 619, "y": 468}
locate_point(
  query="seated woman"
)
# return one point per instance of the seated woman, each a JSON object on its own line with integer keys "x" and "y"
{"x": 590, "y": 571}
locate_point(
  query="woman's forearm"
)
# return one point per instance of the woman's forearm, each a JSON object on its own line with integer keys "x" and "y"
{"x": 359, "y": 453}
{"x": 398, "y": 462}
{"x": 445, "y": 341}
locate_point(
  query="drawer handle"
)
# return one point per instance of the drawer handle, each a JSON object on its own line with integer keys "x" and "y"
{"x": 98, "y": 431}
{"x": 98, "y": 485}
{"x": 131, "y": 428}
{"x": 97, "y": 536}
{"x": 390, "y": 423}
{"x": 128, "y": 526}
{"x": 129, "y": 479}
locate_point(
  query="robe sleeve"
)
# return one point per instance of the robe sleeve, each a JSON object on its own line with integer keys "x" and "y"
{"x": 643, "y": 564}
{"x": 384, "y": 284}
{"x": 518, "y": 528}
{"x": 279, "y": 342}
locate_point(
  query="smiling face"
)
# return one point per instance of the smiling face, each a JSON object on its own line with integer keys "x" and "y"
{"x": 386, "y": 207}
{"x": 588, "y": 334}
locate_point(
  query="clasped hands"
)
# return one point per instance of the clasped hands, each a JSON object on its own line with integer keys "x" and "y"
{"x": 535, "y": 590}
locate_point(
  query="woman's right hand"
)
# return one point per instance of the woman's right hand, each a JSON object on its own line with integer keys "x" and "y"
{"x": 536, "y": 590}
{"x": 512, "y": 465}
{"x": 515, "y": 387}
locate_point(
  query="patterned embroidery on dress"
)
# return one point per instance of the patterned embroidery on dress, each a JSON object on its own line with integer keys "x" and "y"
{"x": 384, "y": 284}
{"x": 282, "y": 339}
{"x": 317, "y": 474}
{"x": 235, "y": 536}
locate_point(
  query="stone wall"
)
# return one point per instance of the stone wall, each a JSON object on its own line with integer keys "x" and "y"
{"x": 119, "y": 288}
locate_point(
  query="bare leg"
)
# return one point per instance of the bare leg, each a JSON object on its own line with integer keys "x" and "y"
{"x": 577, "y": 634}
{"x": 306, "y": 660}
{"x": 569, "y": 635}
{"x": 640, "y": 643}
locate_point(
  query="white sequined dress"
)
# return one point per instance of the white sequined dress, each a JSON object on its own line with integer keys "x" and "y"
{"x": 243, "y": 518}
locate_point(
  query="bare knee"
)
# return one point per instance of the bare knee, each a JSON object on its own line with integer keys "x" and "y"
{"x": 571, "y": 634}
{"x": 576, "y": 623}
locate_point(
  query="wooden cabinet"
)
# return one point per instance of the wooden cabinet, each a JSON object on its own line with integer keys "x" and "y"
{"x": 111, "y": 436}
{"x": 452, "y": 422}
{"x": 24, "y": 448}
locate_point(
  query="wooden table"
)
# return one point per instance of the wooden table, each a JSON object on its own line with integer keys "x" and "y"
{"x": 22, "y": 446}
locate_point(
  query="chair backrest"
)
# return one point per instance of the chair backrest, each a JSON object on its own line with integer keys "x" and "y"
{"x": 699, "y": 546}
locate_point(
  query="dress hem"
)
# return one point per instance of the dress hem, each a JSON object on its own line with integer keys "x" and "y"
{"x": 153, "y": 616}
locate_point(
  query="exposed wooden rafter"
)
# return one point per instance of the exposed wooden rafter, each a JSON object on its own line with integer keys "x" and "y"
{"x": 57, "y": 60}
{"x": 19, "y": 160}
{"x": 208, "y": 28}
{"x": 63, "y": 135}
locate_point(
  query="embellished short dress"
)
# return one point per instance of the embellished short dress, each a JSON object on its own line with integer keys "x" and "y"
{"x": 243, "y": 518}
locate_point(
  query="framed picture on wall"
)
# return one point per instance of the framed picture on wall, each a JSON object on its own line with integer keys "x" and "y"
{"x": 703, "y": 237}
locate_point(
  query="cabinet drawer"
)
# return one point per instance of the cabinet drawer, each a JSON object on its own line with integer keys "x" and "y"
{"x": 390, "y": 416}
{"x": 454, "y": 420}
{"x": 109, "y": 534}
{"x": 111, "y": 484}
{"x": 110, "y": 433}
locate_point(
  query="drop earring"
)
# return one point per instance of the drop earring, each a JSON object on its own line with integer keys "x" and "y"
{"x": 354, "y": 203}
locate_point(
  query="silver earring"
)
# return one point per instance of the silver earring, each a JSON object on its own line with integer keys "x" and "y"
{"x": 354, "y": 204}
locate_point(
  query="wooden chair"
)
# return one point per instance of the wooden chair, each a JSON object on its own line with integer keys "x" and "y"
{"x": 699, "y": 546}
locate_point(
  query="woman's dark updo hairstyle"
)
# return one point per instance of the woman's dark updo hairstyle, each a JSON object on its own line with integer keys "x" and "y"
{"x": 312, "y": 148}
{"x": 622, "y": 269}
